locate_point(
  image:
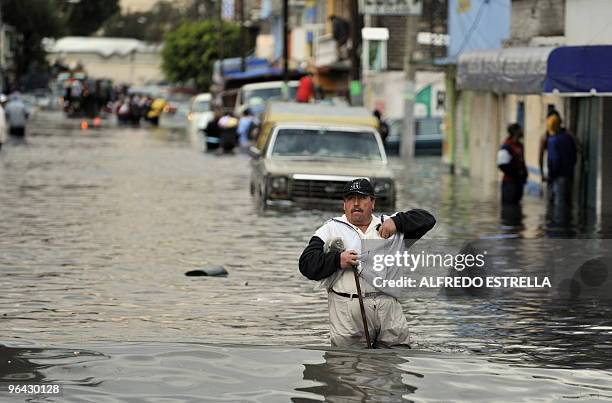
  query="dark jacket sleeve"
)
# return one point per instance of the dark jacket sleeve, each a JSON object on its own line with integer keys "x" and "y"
{"x": 316, "y": 265}
{"x": 507, "y": 169}
{"x": 414, "y": 223}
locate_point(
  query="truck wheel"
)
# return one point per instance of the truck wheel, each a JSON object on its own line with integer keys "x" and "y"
{"x": 263, "y": 197}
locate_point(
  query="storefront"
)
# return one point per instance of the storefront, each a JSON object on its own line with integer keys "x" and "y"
{"x": 501, "y": 86}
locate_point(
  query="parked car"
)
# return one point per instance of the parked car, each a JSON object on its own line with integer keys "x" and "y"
{"x": 305, "y": 154}
{"x": 255, "y": 96}
{"x": 428, "y": 136}
{"x": 200, "y": 112}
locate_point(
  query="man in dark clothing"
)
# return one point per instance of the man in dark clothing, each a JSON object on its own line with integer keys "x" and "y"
{"x": 340, "y": 29}
{"x": 340, "y": 32}
{"x": 561, "y": 150}
{"x": 511, "y": 160}
{"x": 212, "y": 132}
{"x": 383, "y": 127}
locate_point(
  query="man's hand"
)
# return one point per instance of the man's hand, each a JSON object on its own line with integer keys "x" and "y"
{"x": 387, "y": 229}
{"x": 348, "y": 259}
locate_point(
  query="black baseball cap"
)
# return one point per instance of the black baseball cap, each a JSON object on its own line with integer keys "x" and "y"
{"x": 360, "y": 186}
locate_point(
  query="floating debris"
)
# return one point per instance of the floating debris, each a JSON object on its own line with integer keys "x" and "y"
{"x": 208, "y": 271}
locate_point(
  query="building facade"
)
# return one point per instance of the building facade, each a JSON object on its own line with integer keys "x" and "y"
{"x": 122, "y": 60}
{"x": 551, "y": 60}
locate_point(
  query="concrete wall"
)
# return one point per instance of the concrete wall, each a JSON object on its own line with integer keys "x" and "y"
{"x": 137, "y": 69}
{"x": 480, "y": 121}
{"x": 385, "y": 91}
{"x": 462, "y": 131}
{"x": 597, "y": 31}
{"x": 396, "y": 46}
{"x": 435, "y": 79}
{"x": 477, "y": 127}
{"x": 536, "y": 18}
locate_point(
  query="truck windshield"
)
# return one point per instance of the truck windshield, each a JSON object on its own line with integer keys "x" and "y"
{"x": 311, "y": 143}
{"x": 268, "y": 94}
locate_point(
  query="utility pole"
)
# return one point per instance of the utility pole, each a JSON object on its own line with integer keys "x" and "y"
{"x": 432, "y": 25}
{"x": 355, "y": 41}
{"x": 286, "y": 41}
{"x": 241, "y": 38}
{"x": 285, "y": 50}
{"x": 2, "y": 36}
{"x": 407, "y": 140}
{"x": 220, "y": 44}
{"x": 355, "y": 57}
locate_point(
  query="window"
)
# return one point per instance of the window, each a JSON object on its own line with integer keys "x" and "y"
{"x": 311, "y": 143}
{"x": 374, "y": 56}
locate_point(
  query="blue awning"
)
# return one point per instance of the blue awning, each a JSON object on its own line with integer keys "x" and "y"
{"x": 579, "y": 70}
{"x": 259, "y": 72}
{"x": 565, "y": 70}
{"x": 232, "y": 65}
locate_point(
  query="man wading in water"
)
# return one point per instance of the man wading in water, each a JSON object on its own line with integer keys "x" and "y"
{"x": 334, "y": 269}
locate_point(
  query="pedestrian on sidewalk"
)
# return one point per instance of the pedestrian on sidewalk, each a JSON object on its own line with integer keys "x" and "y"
{"x": 511, "y": 161}
{"x": 334, "y": 269}
{"x": 16, "y": 115}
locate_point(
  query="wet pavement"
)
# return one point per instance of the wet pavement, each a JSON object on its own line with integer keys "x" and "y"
{"x": 98, "y": 227}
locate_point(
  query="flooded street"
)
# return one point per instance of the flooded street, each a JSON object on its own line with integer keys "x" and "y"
{"x": 98, "y": 227}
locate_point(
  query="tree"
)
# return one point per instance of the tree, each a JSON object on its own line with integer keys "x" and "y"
{"x": 190, "y": 51}
{"x": 150, "y": 26}
{"x": 84, "y": 17}
{"x": 33, "y": 20}
{"x": 38, "y": 19}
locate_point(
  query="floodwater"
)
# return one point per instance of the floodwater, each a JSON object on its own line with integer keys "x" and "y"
{"x": 97, "y": 229}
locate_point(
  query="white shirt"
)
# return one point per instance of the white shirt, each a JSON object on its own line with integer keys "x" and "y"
{"x": 503, "y": 157}
{"x": 346, "y": 282}
{"x": 16, "y": 113}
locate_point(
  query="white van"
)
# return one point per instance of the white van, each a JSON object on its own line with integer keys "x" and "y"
{"x": 200, "y": 111}
{"x": 255, "y": 96}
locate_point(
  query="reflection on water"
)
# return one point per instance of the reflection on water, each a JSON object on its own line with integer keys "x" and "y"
{"x": 121, "y": 372}
{"x": 98, "y": 228}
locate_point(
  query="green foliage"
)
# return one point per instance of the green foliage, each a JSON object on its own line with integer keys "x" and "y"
{"x": 33, "y": 20}
{"x": 85, "y": 17}
{"x": 38, "y": 19}
{"x": 150, "y": 26}
{"x": 190, "y": 51}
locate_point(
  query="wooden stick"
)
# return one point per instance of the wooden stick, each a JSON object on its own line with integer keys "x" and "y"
{"x": 363, "y": 313}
